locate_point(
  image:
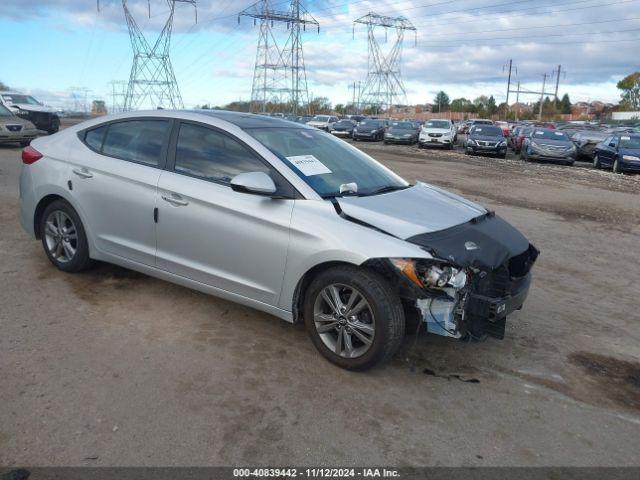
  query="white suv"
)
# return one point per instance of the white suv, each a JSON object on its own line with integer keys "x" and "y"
{"x": 440, "y": 132}
{"x": 323, "y": 122}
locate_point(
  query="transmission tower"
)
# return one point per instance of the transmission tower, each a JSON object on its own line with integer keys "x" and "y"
{"x": 118, "y": 95}
{"x": 383, "y": 87}
{"x": 279, "y": 75}
{"x": 152, "y": 82}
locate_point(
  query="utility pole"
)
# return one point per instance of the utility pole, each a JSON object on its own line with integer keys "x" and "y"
{"x": 509, "y": 85}
{"x": 557, "y": 80}
{"x": 544, "y": 82}
{"x": 517, "y": 100}
{"x": 353, "y": 102}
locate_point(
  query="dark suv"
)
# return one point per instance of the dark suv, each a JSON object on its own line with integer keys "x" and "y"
{"x": 486, "y": 139}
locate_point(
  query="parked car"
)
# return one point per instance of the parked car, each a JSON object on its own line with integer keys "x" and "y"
{"x": 283, "y": 218}
{"x": 586, "y": 141}
{"x": 549, "y": 145}
{"x": 323, "y": 122}
{"x": 486, "y": 139}
{"x": 14, "y": 129}
{"x": 506, "y": 131}
{"x": 401, "y": 132}
{"x": 343, "y": 128}
{"x": 25, "y": 106}
{"x": 481, "y": 121}
{"x": 438, "y": 133}
{"x": 519, "y": 139}
{"x": 370, "y": 129}
{"x": 463, "y": 127}
{"x": 620, "y": 152}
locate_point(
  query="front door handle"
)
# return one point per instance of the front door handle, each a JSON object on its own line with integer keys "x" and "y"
{"x": 175, "y": 199}
{"x": 83, "y": 172}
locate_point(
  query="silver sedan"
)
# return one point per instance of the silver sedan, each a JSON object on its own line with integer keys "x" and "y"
{"x": 278, "y": 216}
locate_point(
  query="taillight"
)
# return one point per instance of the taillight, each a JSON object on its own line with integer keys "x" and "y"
{"x": 30, "y": 155}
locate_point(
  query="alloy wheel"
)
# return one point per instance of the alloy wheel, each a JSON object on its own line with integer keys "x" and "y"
{"x": 344, "y": 320}
{"x": 61, "y": 236}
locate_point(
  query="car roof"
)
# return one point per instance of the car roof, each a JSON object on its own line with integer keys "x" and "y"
{"x": 249, "y": 120}
{"x": 11, "y": 92}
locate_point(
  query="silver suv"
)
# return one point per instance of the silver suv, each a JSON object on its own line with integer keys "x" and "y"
{"x": 281, "y": 217}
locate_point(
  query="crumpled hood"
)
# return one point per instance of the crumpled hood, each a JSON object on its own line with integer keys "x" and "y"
{"x": 420, "y": 209}
{"x": 33, "y": 108}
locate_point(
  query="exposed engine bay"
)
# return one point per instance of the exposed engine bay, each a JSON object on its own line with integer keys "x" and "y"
{"x": 479, "y": 274}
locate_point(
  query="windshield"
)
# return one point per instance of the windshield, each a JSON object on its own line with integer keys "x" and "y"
{"x": 369, "y": 123}
{"x": 5, "y": 112}
{"x": 320, "y": 118}
{"x": 344, "y": 123}
{"x": 436, "y": 124}
{"x": 14, "y": 98}
{"x": 550, "y": 135}
{"x": 325, "y": 162}
{"x": 629, "y": 142}
{"x": 487, "y": 130}
{"x": 403, "y": 126}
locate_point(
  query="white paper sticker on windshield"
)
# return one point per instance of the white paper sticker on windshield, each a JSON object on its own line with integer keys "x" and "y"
{"x": 625, "y": 138}
{"x": 539, "y": 133}
{"x": 560, "y": 134}
{"x": 478, "y": 130}
{"x": 309, "y": 165}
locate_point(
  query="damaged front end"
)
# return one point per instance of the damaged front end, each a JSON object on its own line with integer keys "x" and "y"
{"x": 480, "y": 273}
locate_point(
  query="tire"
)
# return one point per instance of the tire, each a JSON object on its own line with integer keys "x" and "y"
{"x": 386, "y": 143}
{"x": 383, "y": 312}
{"x": 450, "y": 146}
{"x": 60, "y": 257}
{"x": 596, "y": 162}
{"x": 55, "y": 126}
{"x": 616, "y": 166}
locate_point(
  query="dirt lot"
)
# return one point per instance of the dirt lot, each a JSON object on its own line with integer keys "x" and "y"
{"x": 111, "y": 367}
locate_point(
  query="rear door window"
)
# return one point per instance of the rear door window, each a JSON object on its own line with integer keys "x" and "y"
{"x": 94, "y": 137}
{"x": 139, "y": 141}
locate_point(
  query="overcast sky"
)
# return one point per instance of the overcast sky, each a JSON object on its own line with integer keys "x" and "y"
{"x": 462, "y": 46}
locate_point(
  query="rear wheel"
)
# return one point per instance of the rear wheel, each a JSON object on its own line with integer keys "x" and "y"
{"x": 353, "y": 317}
{"x": 63, "y": 237}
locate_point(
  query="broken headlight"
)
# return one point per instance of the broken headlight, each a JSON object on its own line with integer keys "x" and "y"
{"x": 430, "y": 274}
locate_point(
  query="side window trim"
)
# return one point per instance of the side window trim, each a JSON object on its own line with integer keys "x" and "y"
{"x": 162, "y": 161}
{"x": 172, "y": 149}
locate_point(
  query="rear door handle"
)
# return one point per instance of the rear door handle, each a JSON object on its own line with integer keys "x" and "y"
{"x": 175, "y": 199}
{"x": 83, "y": 172}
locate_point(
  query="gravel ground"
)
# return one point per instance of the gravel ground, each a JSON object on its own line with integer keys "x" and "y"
{"x": 111, "y": 367}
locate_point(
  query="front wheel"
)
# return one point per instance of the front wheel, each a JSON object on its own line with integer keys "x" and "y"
{"x": 596, "y": 162}
{"x": 353, "y": 317}
{"x": 63, "y": 237}
{"x": 616, "y": 166}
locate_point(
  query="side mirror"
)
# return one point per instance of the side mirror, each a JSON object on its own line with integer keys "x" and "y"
{"x": 257, "y": 183}
{"x": 612, "y": 145}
